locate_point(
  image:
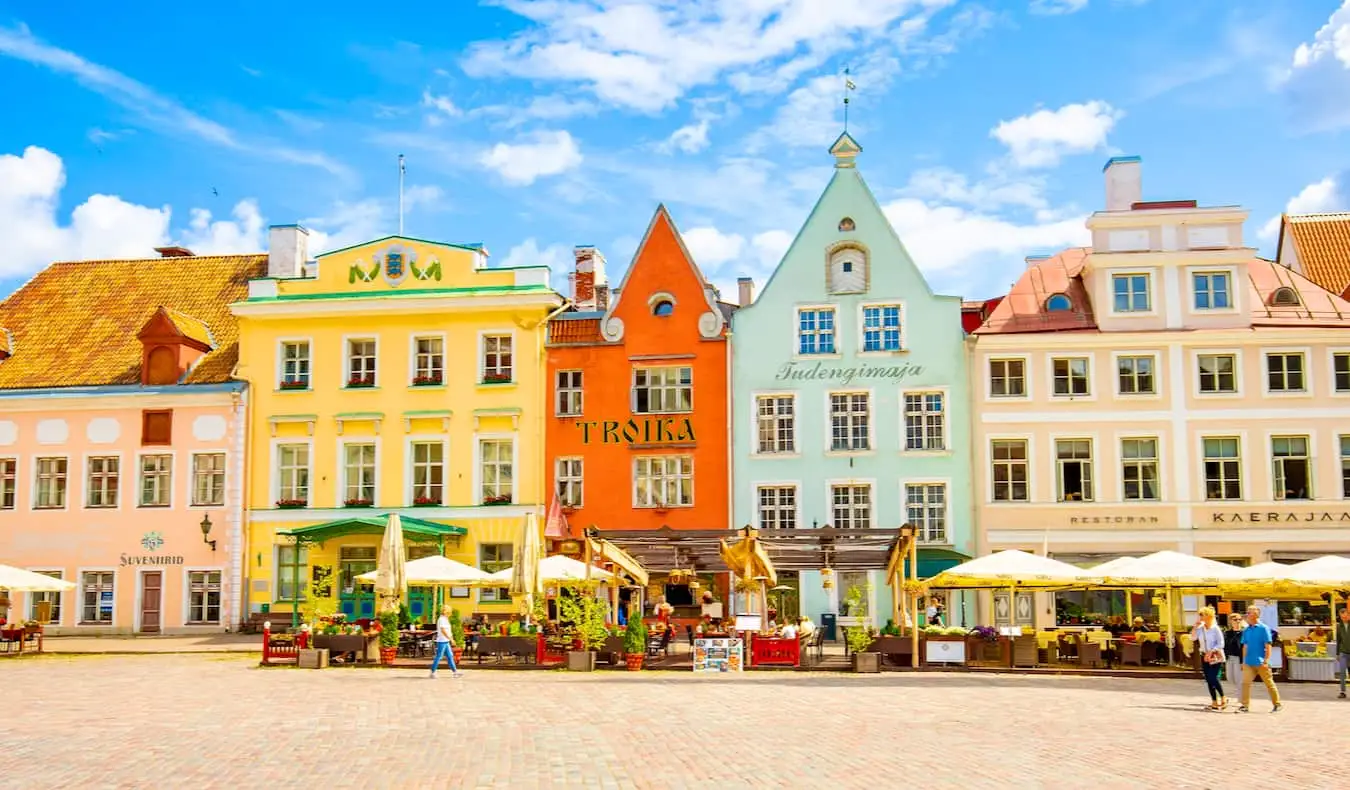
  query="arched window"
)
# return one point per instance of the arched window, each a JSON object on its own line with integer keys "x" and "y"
{"x": 1284, "y": 296}
{"x": 1058, "y": 303}
{"x": 161, "y": 366}
{"x": 848, "y": 271}
{"x": 846, "y": 225}
{"x": 663, "y": 308}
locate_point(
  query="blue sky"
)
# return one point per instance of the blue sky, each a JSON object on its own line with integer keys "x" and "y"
{"x": 537, "y": 126}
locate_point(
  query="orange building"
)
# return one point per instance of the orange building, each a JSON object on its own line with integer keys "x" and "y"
{"x": 638, "y": 437}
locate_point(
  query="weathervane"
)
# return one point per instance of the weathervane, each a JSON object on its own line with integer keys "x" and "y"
{"x": 849, "y": 87}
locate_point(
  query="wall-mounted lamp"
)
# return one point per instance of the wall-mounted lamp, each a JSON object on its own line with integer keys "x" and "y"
{"x": 206, "y": 532}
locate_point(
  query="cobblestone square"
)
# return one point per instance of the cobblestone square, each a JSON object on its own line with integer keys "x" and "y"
{"x": 220, "y": 721}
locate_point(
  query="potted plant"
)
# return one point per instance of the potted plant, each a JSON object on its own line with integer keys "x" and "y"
{"x": 584, "y": 619}
{"x": 1310, "y": 665}
{"x": 456, "y": 636}
{"x": 635, "y": 641}
{"x": 358, "y": 502}
{"x": 860, "y": 640}
{"x": 292, "y": 504}
{"x": 982, "y": 644}
{"x": 388, "y": 626}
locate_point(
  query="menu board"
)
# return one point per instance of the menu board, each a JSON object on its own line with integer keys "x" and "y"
{"x": 719, "y": 655}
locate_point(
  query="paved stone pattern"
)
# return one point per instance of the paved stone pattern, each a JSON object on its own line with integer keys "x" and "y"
{"x": 221, "y": 722}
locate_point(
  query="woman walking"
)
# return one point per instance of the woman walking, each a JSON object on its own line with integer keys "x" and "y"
{"x": 1209, "y": 641}
{"x": 1232, "y": 647}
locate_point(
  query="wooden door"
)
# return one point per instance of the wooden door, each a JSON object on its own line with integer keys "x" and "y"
{"x": 152, "y": 600}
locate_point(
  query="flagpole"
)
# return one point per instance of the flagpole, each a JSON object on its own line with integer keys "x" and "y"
{"x": 401, "y": 169}
{"x": 848, "y": 82}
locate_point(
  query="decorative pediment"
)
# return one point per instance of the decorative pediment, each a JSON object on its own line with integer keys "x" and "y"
{"x": 845, "y": 150}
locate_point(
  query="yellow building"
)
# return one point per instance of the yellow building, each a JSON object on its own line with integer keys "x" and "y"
{"x": 397, "y": 376}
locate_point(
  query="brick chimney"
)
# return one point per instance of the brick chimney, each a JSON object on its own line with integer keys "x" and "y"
{"x": 745, "y": 291}
{"x": 590, "y": 286}
{"x": 174, "y": 252}
{"x": 287, "y": 251}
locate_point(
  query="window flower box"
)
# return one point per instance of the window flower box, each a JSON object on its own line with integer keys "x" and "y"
{"x": 292, "y": 504}
{"x": 426, "y": 501}
{"x": 500, "y": 499}
{"x": 427, "y": 381}
{"x": 361, "y": 382}
{"x": 289, "y": 384}
{"x": 496, "y": 378}
{"x": 569, "y": 509}
{"x": 358, "y": 503}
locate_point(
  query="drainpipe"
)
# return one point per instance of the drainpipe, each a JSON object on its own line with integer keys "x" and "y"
{"x": 731, "y": 440}
{"x": 238, "y": 542}
{"x": 973, "y": 448}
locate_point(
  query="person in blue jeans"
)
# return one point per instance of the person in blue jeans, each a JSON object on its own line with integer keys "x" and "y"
{"x": 444, "y": 643}
{"x": 1343, "y": 648}
{"x": 1257, "y": 641}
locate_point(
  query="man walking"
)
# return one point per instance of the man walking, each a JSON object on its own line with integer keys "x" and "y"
{"x": 444, "y": 640}
{"x": 1343, "y": 648}
{"x": 1256, "y": 643}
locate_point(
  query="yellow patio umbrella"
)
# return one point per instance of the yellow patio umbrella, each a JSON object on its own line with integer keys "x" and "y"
{"x": 1170, "y": 571}
{"x": 525, "y": 572}
{"x": 1011, "y": 570}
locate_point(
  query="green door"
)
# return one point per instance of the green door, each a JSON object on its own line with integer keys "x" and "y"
{"x": 356, "y": 600}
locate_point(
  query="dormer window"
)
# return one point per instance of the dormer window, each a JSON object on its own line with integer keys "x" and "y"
{"x": 663, "y": 308}
{"x": 1284, "y": 296}
{"x": 848, "y": 271}
{"x": 171, "y": 342}
{"x": 6, "y": 345}
{"x": 1058, "y": 303}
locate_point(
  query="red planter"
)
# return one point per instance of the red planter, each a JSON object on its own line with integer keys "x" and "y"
{"x": 458, "y": 653}
{"x": 634, "y": 661}
{"x": 388, "y": 654}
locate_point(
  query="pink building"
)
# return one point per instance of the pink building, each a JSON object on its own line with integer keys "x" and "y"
{"x": 122, "y": 437}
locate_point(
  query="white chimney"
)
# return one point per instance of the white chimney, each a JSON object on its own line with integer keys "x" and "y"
{"x": 1124, "y": 183}
{"x": 287, "y": 251}
{"x": 1033, "y": 260}
{"x": 589, "y": 279}
{"x": 745, "y": 291}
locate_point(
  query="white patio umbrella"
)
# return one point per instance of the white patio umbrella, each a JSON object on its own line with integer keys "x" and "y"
{"x": 436, "y": 571}
{"x": 557, "y": 569}
{"x": 525, "y": 572}
{"x": 391, "y": 583}
{"x": 20, "y": 580}
{"x": 1010, "y": 570}
{"x": 1170, "y": 570}
{"x": 1329, "y": 573}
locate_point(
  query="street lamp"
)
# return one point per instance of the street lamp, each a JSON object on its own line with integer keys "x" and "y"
{"x": 206, "y": 532}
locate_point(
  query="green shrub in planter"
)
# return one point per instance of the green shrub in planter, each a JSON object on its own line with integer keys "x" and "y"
{"x": 635, "y": 638}
{"x": 389, "y": 629}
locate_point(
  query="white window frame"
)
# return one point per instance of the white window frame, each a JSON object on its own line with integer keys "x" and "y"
{"x": 988, "y": 377}
{"x": 1305, "y": 354}
{"x": 575, "y": 484}
{"x": 414, "y": 361}
{"x": 494, "y": 595}
{"x": 871, "y": 422}
{"x": 863, "y": 307}
{"x": 410, "y": 467}
{"x": 1028, "y": 462}
{"x": 89, "y": 459}
{"x": 665, "y": 479}
{"x": 855, "y": 483}
{"x": 173, "y": 477}
{"x": 1091, "y": 374}
{"x": 1238, "y": 371}
{"x": 1234, "y": 289}
{"x": 756, "y": 419}
{"x": 302, "y": 560}
{"x": 1117, "y": 356}
{"x": 666, "y": 388}
{"x": 59, "y": 604}
{"x": 80, "y": 622}
{"x": 479, "y": 496}
{"x": 1309, "y": 438}
{"x": 282, "y": 342}
{"x": 1332, "y": 353}
{"x": 797, "y": 352}
{"x": 347, "y": 358}
{"x": 37, "y": 486}
{"x": 274, "y": 472}
{"x": 342, "y": 471}
{"x": 1094, "y": 492}
{"x": 187, "y": 597}
{"x": 192, "y": 478}
{"x": 483, "y": 372}
{"x": 570, "y": 394}
{"x": 779, "y": 508}
{"x": 1151, "y": 310}
{"x": 946, "y": 417}
{"x": 15, "y": 480}
{"x": 1160, "y": 483}
{"x": 921, "y": 528}
{"x": 1243, "y": 487}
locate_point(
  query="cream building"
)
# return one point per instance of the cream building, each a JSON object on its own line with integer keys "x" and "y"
{"x": 1163, "y": 389}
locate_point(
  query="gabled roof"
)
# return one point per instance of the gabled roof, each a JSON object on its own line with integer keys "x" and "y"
{"x": 1316, "y": 305}
{"x": 1024, "y": 309}
{"x": 1322, "y": 242}
{"x": 76, "y": 323}
{"x": 167, "y": 321}
{"x": 570, "y": 329}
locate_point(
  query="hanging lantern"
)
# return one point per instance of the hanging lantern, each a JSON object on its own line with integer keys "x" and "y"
{"x": 827, "y": 578}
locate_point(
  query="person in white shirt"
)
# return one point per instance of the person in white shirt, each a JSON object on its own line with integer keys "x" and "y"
{"x": 444, "y": 643}
{"x": 789, "y": 631}
{"x": 805, "y": 627}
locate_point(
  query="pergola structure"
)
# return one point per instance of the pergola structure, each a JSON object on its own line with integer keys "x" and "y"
{"x": 803, "y": 549}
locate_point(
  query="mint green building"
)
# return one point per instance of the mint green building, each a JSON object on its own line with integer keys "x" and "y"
{"x": 850, "y": 398}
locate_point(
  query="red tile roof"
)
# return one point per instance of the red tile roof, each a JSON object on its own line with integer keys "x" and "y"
{"x": 1025, "y": 309}
{"x": 1316, "y": 306}
{"x": 574, "y": 331}
{"x": 1322, "y": 242}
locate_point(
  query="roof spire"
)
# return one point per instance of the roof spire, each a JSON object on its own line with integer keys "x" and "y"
{"x": 849, "y": 87}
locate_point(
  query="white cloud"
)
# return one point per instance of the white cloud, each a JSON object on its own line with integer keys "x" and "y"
{"x": 999, "y": 189}
{"x": 1054, "y": 7}
{"x": 541, "y": 108}
{"x": 245, "y": 234}
{"x": 557, "y": 257}
{"x": 648, "y": 54}
{"x": 1319, "y": 197}
{"x": 712, "y": 248}
{"x": 690, "y": 138}
{"x": 538, "y": 155}
{"x": 1317, "y": 83}
{"x": 1043, "y": 137}
{"x": 441, "y": 108}
{"x": 422, "y": 196}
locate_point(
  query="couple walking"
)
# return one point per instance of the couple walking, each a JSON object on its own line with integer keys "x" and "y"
{"x": 1255, "y": 640}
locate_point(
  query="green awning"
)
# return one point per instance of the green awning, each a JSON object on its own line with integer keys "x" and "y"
{"x": 414, "y": 528}
{"x": 935, "y": 561}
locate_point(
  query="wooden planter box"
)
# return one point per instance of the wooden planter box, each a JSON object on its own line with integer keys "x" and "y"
{"x": 982, "y": 651}
{"x": 1317, "y": 669}
{"x": 314, "y": 658}
{"x": 896, "y": 649}
{"x": 580, "y": 661}
{"x": 866, "y": 662}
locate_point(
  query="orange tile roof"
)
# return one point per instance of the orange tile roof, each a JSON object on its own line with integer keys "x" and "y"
{"x": 190, "y": 327}
{"x": 1322, "y": 242}
{"x": 1024, "y": 308}
{"x": 1316, "y": 305}
{"x": 75, "y": 323}
{"x": 6, "y": 344}
{"x": 572, "y": 331}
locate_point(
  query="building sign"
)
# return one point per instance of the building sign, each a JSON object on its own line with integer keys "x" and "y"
{"x": 846, "y": 374}
{"x": 151, "y": 542}
{"x": 646, "y": 430}
{"x": 1277, "y": 516}
{"x": 1113, "y": 519}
